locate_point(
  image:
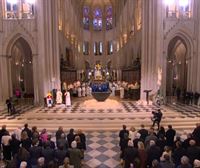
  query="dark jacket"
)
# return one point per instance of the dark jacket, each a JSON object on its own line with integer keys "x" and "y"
{"x": 35, "y": 153}
{"x": 48, "y": 154}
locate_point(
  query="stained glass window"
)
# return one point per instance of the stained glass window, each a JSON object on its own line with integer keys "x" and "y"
{"x": 109, "y": 18}
{"x": 86, "y": 18}
{"x": 97, "y": 19}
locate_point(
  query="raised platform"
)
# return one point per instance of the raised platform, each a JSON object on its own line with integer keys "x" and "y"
{"x": 89, "y": 115}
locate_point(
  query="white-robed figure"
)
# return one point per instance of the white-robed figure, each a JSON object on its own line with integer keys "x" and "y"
{"x": 83, "y": 91}
{"x": 67, "y": 99}
{"x": 121, "y": 92}
{"x": 79, "y": 91}
{"x": 88, "y": 91}
{"x": 58, "y": 97}
{"x": 113, "y": 90}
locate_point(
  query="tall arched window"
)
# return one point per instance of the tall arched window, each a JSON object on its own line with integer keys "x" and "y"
{"x": 178, "y": 8}
{"x": 97, "y": 19}
{"x": 109, "y": 21}
{"x": 86, "y": 18}
{"x": 19, "y": 9}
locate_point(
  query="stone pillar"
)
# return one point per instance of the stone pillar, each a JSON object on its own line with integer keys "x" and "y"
{"x": 5, "y": 78}
{"x": 151, "y": 45}
{"x": 48, "y": 46}
{"x": 198, "y": 48}
{"x": 1, "y": 17}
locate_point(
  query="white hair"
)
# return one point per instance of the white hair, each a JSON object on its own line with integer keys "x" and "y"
{"x": 196, "y": 163}
{"x": 152, "y": 142}
{"x": 23, "y": 164}
{"x": 74, "y": 144}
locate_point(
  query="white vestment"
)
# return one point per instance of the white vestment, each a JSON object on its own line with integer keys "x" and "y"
{"x": 58, "y": 97}
{"x": 67, "y": 99}
{"x": 121, "y": 92}
{"x": 79, "y": 92}
{"x": 113, "y": 91}
{"x": 83, "y": 91}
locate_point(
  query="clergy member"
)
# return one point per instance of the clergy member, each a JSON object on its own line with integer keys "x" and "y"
{"x": 79, "y": 91}
{"x": 121, "y": 92}
{"x": 67, "y": 99}
{"x": 58, "y": 97}
{"x": 83, "y": 90}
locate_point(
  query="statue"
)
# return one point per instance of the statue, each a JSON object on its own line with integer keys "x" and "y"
{"x": 97, "y": 73}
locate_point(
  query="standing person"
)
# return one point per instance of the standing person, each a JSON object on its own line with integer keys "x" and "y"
{"x": 14, "y": 145}
{"x": 5, "y": 141}
{"x": 170, "y": 134}
{"x": 9, "y": 106}
{"x": 75, "y": 155}
{"x": 59, "y": 132}
{"x": 130, "y": 155}
{"x": 67, "y": 99}
{"x": 143, "y": 132}
{"x": 82, "y": 137}
{"x": 79, "y": 91}
{"x": 83, "y": 91}
{"x": 27, "y": 130}
{"x": 70, "y": 137}
{"x": 124, "y": 137}
{"x": 157, "y": 116}
{"x": 59, "y": 97}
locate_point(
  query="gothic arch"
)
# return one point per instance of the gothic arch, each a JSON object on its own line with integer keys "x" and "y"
{"x": 185, "y": 37}
{"x": 10, "y": 41}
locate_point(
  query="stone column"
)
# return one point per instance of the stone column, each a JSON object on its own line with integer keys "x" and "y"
{"x": 1, "y": 17}
{"x": 48, "y": 46}
{"x": 198, "y": 48}
{"x": 151, "y": 45}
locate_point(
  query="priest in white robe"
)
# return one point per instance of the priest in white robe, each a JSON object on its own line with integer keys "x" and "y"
{"x": 79, "y": 91}
{"x": 58, "y": 97}
{"x": 113, "y": 90}
{"x": 67, "y": 99}
{"x": 83, "y": 91}
{"x": 121, "y": 92}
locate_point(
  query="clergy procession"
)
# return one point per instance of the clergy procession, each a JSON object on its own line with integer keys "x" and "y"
{"x": 121, "y": 89}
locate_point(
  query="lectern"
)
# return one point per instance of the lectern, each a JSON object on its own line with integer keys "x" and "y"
{"x": 147, "y": 95}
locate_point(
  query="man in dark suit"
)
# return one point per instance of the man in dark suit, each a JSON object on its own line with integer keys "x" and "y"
{"x": 154, "y": 152}
{"x": 35, "y": 152}
{"x": 47, "y": 153}
{"x": 143, "y": 132}
{"x": 9, "y": 106}
{"x": 130, "y": 154}
{"x": 157, "y": 116}
{"x": 28, "y": 131}
{"x": 124, "y": 137}
{"x": 170, "y": 134}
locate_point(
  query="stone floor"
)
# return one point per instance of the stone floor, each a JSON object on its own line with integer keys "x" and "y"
{"x": 101, "y": 123}
{"x": 102, "y": 150}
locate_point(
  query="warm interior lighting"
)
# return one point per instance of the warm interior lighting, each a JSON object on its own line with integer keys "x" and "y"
{"x": 169, "y": 2}
{"x": 183, "y": 3}
{"x": 30, "y": 1}
{"x": 12, "y": 1}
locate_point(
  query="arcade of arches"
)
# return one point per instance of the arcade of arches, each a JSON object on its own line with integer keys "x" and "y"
{"x": 44, "y": 44}
{"x": 63, "y": 45}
